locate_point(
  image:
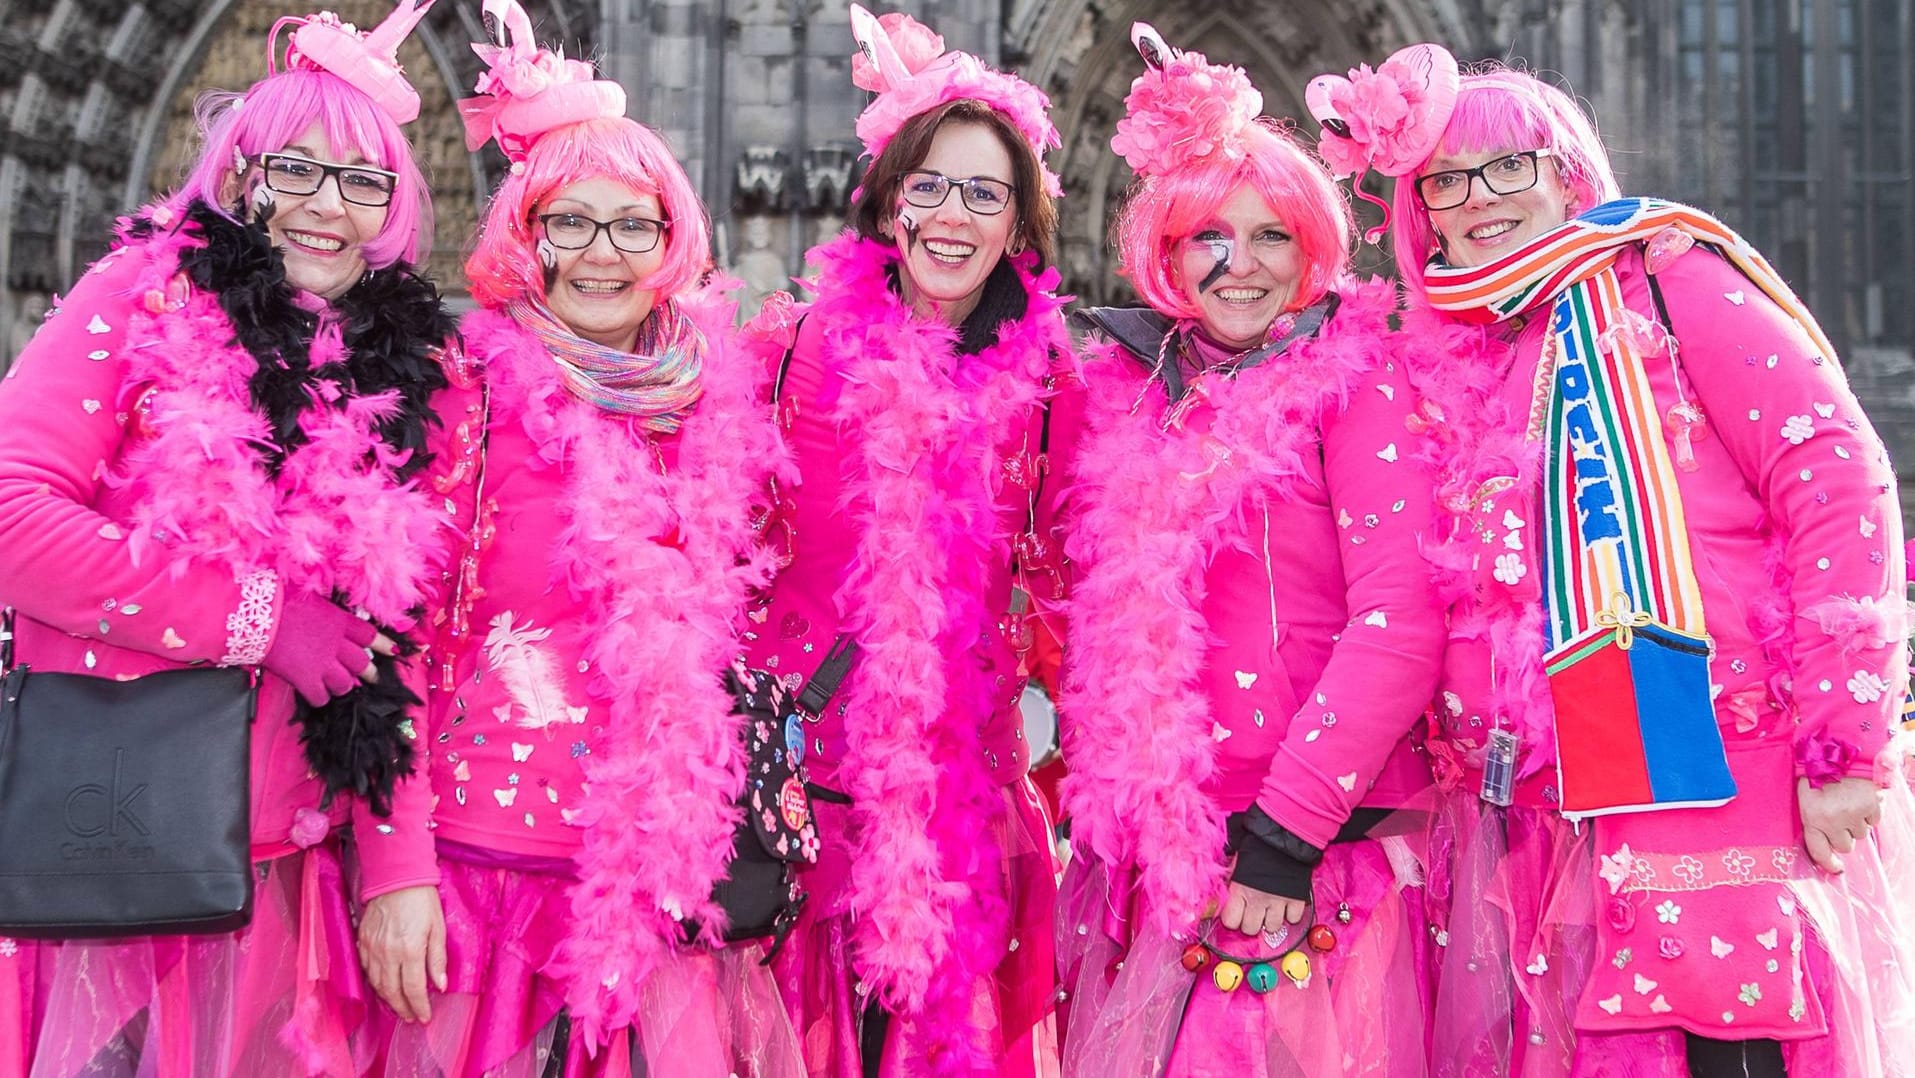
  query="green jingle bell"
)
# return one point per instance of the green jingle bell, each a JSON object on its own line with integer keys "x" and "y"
{"x": 1196, "y": 957}
{"x": 1261, "y": 978}
{"x": 1228, "y": 975}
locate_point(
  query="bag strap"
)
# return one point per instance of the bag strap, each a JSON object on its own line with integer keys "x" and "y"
{"x": 6, "y": 639}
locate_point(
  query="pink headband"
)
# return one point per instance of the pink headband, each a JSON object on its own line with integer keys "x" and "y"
{"x": 369, "y": 62}
{"x": 904, "y": 63}
{"x": 527, "y": 91}
{"x": 1183, "y": 109}
{"x": 1389, "y": 119}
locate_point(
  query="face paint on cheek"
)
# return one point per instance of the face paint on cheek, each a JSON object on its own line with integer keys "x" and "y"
{"x": 909, "y": 223}
{"x": 262, "y": 200}
{"x": 1222, "y": 251}
{"x": 548, "y": 254}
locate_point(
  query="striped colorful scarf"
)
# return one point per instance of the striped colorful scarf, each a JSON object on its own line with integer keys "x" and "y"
{"x": 1616, "y": 564}
{"x": 657, "y": 382}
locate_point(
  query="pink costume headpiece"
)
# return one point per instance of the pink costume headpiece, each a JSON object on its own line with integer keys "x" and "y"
{"x": 1389, "y": 119}
{"x": 904, "y": 62}
{"x": 369, "y": 62}
{"x": 1182, "y": 109}
{"x": 527, "y": 91}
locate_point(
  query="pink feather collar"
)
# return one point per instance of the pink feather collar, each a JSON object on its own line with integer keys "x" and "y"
{"x": 1153, "y": 503}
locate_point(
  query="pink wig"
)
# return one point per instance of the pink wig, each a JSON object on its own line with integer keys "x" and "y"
{"x": 504, "y": 265}
{"x": 275, "y": 112}
{"x": 1501, "y": 109}
{"x": 1164, "y": 210}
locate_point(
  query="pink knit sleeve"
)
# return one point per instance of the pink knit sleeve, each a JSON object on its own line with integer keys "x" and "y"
{"x": 1785, "y": 414}
{"x": 397, "y": 852}
{"x": 66, "y": 415}
{"x": 1383, "y": 666}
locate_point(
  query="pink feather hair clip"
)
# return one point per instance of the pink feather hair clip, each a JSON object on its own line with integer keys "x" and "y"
{"x": 905, "y": 64}
{"x": 369, "y": 62}
{"x": 527, "y": 91}
{"x": 1389, "y": 119}
{"x": 1182, "y": 109}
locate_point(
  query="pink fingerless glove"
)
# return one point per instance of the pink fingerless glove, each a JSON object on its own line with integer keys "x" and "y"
{"x": 320, "y": 649}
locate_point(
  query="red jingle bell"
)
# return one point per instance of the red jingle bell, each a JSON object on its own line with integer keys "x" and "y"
{"x": 1196, "y": 957}
{"x": 1321, "y": 938}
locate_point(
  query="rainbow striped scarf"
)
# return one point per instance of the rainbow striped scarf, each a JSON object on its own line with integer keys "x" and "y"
{"x": 1627, "y": 645}
{"x": 656, "y": 383}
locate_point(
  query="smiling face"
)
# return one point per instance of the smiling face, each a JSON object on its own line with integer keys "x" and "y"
{"x": 1488, "y": 225}
{"x": 594, "y": 290}
{"x": 952, "y": 250}
{"x": 322, "y": 235}
{"x": 1251, "y": 264}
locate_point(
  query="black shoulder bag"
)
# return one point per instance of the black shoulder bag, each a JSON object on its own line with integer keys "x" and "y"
{"x": 123, "y": 804}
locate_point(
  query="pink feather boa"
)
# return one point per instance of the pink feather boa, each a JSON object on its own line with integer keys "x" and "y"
{"x": 923, "y": 433}
{"x": 1152, "y": 507}
{"x": 334, "y": 518}
{"x": 660, "y": 810}
{"x": 1458, "y": 369}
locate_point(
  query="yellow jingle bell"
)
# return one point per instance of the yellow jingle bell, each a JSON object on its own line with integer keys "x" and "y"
{"x": 1296, "y": 966}
{"x": 1228, "y": 975}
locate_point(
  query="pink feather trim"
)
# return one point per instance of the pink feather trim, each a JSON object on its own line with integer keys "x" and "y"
{"x": 923, "y": 448}
{"x": 1152, "y": 507}
{"x": 329, "y": 521}
{"x": 660, "y": 806}
{"x": 1863, "y": 624}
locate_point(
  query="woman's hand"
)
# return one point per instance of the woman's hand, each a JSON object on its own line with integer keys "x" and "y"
{"x": 402, "y": 942}
{"x": 1836, "y": 817}
{"x": 1254, "y": 912}
{"x": 321, "y": 650}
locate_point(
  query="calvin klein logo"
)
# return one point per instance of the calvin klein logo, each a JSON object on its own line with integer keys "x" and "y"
{"x": 93, "y": 810}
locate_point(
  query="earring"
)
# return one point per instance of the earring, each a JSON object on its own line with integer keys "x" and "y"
{"x": 1016, "y": 246}
{"x": 239, "y": 162}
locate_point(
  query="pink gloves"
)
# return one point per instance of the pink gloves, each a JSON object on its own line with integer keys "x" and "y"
{"x": 320, "y": 649}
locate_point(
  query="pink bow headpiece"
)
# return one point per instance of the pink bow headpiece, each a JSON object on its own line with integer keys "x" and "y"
{"x": 369, "y": 62}
{"x": 904, "y": 63}
{"x": 1389, "y": 119}
{"x": 526, "y": 91}
{"x": 1182, "y": 109}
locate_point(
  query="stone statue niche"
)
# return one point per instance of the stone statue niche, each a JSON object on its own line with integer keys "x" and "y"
{"x": 758, "y": 263}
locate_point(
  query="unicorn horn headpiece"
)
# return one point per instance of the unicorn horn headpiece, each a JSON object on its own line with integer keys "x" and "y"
{"x": 1183, "y": 109}
{"x": 367, "y": 61}
{"x": 1389, "y": 119}
{"x": 527, "y": 91}
{"x": 905, "y": 63}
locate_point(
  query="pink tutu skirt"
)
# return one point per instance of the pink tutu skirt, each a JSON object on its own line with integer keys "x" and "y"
{"x": 1590, "y": 953}
{"x": 1136, "y": 1012}
{"x": 706, "y": 1014}
{"x": 282, "y": 996}
{"x": 1014, "y": 1008}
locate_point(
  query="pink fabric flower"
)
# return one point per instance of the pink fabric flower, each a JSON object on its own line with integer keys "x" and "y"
{"x": 310, "y": 827}
{"x": 1823, "y": 758}
{"x": 1621, "y": 914}
{"x": 1184, "y": 113}
{"x": 1669, "y": 947}
{"x": 1389, "y": 117}
{"x": 916, "y": 44}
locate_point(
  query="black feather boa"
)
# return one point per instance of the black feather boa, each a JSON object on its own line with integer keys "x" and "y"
{"x": 393, "y": 326}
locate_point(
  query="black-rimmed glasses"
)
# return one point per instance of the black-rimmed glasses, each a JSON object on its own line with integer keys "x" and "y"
{"x": 927, "y": 190}
{"x": 362, "y": 185}
{"x": 575, "y": 231}
{"x": 1507, "y": 175}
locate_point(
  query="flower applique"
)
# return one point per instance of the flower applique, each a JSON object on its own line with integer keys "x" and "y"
{"x": 1509, "y": 569}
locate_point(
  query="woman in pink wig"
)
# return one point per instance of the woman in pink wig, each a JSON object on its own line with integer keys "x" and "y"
{"x": 1672, "y": 838}
{"x": 914, "y": 393}
{"x": 1252, "y": 633}
{"x": 546, "y": 885}
{"x": 212, "y": 453}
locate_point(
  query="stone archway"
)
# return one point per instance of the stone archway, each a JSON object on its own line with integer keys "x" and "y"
{"x": 1079, "y": 51}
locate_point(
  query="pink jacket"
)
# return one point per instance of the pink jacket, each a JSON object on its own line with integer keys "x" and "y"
{"x": 138, "y": 531}
{"x": 1251, "y": 620}
{"x": 1792, "y": 519}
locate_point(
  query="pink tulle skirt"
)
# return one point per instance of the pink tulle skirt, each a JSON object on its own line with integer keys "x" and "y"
{"x": 282, "y": 996}
{"x": 1545, "y": 970}
{"x": 1014, "y": 1008}
{"x": 706, "y": 1014}
{"x": 1362, "y": 1009}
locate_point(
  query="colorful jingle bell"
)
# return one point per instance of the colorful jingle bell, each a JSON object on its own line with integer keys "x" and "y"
{"x": 1321, "y": 939}
{"x": 1228, "y": 975}
{"x": 1196, "y": 957}
{"x": 1261, "y": 978}
{"x": 1296, "y": 966}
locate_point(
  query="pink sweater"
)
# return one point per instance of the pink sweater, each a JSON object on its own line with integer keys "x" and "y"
{"x": 90, "y": 481}
{"x": 1251, "y": 620}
